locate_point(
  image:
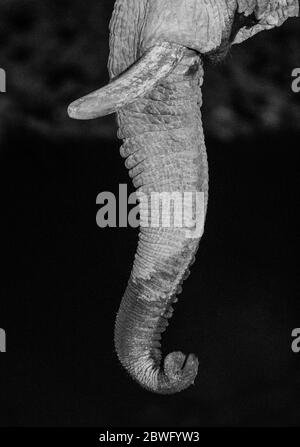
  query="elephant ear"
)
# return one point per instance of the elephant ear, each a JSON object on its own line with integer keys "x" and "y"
{"x": 269, "y": 14}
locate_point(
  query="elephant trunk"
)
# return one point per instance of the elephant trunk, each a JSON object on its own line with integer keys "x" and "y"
{"x": 156, "y": 78}
{"x": 165, "y": 153}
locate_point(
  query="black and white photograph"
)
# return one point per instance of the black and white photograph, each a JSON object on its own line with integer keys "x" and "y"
{"x": 149, "y": 216}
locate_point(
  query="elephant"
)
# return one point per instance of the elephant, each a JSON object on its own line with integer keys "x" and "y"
{"x": 157, "y": 49}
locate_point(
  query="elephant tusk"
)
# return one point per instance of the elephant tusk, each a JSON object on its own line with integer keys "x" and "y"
{"x": 134, "y": 83}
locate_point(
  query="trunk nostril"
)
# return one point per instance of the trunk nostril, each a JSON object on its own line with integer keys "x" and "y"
{"x": 185, "y": 361}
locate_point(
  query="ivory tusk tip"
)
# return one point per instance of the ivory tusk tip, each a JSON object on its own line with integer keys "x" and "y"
{"x": 82, "y": 109}
{"x": 72, "y": 111}
{"x": 90, "y": 107}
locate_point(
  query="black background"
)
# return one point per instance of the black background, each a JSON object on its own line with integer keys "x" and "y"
{"x": 62, "y": 278}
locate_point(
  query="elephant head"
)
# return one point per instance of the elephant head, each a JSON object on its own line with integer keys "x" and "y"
{"x": 156, "y": 54}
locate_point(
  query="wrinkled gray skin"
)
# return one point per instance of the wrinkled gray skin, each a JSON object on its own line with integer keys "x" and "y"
{"x": 165, "y": 151}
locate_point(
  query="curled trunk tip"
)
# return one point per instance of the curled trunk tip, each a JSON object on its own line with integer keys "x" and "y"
{"x": 138, "y": 329}
{"x": 178, "y": 372}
